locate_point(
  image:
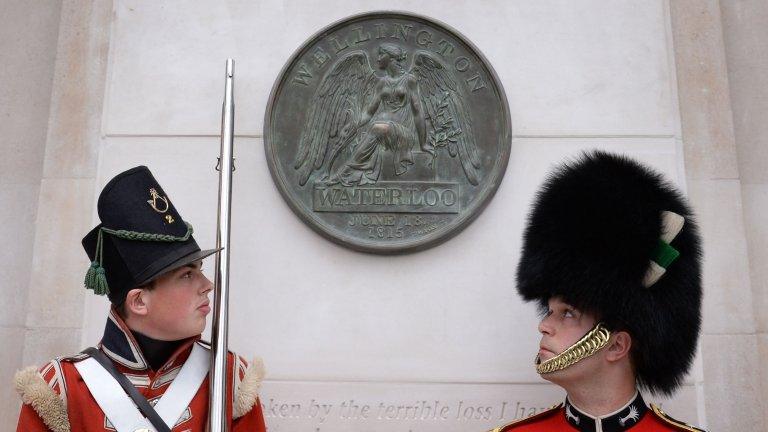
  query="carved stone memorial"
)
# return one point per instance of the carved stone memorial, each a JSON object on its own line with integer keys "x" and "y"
{"x": 387, "y": 132}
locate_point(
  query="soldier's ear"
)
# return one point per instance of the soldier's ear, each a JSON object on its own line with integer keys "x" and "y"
{"x": 134, "y": 302}
{"x": 619, "y": 346}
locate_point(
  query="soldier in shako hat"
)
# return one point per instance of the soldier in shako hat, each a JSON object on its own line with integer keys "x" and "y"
{"x": 150, "y": 370}
{"x": 611, "y": 255}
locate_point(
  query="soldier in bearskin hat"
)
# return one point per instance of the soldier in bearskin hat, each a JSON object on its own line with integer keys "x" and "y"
{"x": 150, "y": 370}
{"x": 611, "y": 255}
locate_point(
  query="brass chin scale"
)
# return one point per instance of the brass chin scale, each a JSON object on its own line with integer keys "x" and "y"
{"x": 595, "y": 340}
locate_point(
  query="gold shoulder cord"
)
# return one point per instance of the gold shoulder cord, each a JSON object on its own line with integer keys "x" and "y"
{"x": 670, "y": 420}
{"x": 595, "y": 340}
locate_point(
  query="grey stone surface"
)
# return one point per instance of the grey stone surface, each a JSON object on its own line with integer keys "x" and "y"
{"x": 745, "y": 34}
{"x": 727, "y": 294}
{"x": 702, "y": 86}
{"x": 67, "y": 190}
{"x": 59, "y": 263}
{"x": 12, "y": 341}
{"x": 712, "y": 170}
{"x": 746, "y": 45}
{"x": 763, "y": 353}
{"x": 733, "y": 369}
{"x": 44, "y": 343}
{"x": 559, "y": 64}
{"x": 28, "y": 35}
{"x": 75, "y": 117}
{"x": 755, "y": 198}
{"x": 18, "y": 215}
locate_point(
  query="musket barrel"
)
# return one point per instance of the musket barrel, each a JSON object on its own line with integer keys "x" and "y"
{"x": 217, "y": 417}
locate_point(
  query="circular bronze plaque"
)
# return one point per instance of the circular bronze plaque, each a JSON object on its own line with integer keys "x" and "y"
{"x": 387, "y": 132}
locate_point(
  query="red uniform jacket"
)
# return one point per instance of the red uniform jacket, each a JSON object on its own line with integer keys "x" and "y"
{"x": 57, "y": 399}
{"x": 633, "y": 417}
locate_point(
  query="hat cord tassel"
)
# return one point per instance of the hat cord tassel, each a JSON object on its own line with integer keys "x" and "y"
{"x": 96, "y": 278}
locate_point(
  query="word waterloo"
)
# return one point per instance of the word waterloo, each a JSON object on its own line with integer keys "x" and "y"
{"x": 385, "y": 196}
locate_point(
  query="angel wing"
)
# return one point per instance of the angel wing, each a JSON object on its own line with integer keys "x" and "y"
{"x": 334, "y": 113}
{"x": 443, "y": 105}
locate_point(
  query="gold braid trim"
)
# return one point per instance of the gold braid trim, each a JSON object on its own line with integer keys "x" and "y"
{"x": 683, "y": 426}
{"x": 595, "y": 340}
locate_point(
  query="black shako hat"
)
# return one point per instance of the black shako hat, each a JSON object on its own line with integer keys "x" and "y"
{"x": 604, "y": 234}
{"x": 140, "y": 237}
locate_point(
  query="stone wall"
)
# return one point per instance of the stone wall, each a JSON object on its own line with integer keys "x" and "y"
{"x": 746, "y": 46}
{"x": 140, "y": 83}
{"x": 714, "y": 187}
{"x": 28, "y": 35}
{"x": 343, "y": 327}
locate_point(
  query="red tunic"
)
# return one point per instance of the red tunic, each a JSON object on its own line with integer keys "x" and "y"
{"x": 83, "y": 414}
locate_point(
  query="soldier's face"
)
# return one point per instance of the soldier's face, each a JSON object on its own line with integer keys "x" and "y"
{"x": 178, "y": 304}
{"x": 560, "y": 328}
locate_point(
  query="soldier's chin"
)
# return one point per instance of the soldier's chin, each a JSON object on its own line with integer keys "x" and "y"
{"x": 552, "y": 377}
{"x": 543, "y": 356}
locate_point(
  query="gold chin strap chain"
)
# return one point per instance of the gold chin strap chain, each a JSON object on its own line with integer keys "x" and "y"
{"x": 595, "y": 340}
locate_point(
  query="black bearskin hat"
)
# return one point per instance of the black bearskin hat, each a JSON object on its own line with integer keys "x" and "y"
{"x": 595, "y": 225}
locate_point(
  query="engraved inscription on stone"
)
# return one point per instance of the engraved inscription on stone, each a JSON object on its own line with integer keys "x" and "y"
{"x": 387, "y": 115}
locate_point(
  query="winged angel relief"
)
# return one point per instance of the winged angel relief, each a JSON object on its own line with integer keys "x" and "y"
{"x": 361, "y": 115}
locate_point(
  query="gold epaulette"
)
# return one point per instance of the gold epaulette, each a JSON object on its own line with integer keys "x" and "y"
{"x": 529, "y": 418}
{"x": 677, "y": 423}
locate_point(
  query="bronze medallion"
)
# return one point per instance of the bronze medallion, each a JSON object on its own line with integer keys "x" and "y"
{"x": 387, "y": 132}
